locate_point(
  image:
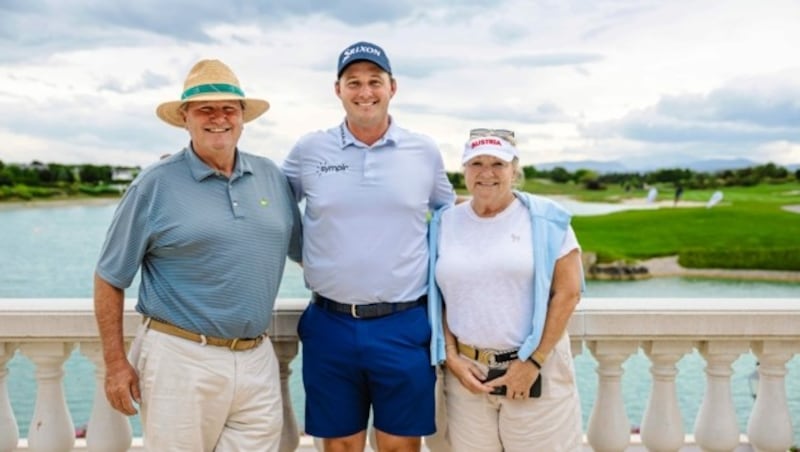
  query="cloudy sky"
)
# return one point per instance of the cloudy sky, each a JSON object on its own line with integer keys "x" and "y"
{"x": 628, "y": 80}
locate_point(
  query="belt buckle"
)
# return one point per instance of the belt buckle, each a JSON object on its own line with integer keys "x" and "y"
{"x": 354, "y": 312}
{"x": 487, "y": 357}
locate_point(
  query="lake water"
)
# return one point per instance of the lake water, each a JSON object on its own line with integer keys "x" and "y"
{"x": 51, "y": 252}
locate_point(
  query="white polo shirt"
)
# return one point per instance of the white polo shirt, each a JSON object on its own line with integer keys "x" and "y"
{"x": 365, "y": 220}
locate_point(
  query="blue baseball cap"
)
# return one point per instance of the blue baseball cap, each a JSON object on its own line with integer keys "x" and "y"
{"x": 363, "y": 51}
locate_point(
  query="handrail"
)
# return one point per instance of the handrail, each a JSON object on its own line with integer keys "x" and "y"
{"x": 665, "y": 329}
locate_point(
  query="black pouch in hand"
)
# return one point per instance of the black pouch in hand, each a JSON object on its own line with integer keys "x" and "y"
{"x": 536, "y": 387}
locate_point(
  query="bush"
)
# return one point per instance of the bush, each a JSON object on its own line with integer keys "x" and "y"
{"x": 21, "y": 191}
{"x": 98, "y": 190}
{"x": 44, "y": 192}
{"x": 594, "y": 185}
{"x": 757, "y": 258}
{"x": 26, "y": 193}
{"x": 456, "y": 179}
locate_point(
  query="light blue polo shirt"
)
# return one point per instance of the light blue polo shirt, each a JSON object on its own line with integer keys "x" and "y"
{"x": 211, "y": 249}
{"x": 365, "y": 221}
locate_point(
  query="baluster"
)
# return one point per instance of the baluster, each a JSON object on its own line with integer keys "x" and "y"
{"x": 662, "y": 426}
{"x": 576, "y": 346}
{"x": 286, "y": 351}
{"x": 9, "y": 433}
{"x": 108, "y": 429}
{"x": 609, "y": 428}
{"x": 51, "y": 429}
{"x": 715, "y": 428}
{"x": 770, "y": 425}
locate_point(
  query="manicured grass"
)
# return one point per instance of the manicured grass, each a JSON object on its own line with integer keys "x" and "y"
{"x": 747, "y": 230}
{"x": 643, "y": 234}
{"x": 779, "y": 194}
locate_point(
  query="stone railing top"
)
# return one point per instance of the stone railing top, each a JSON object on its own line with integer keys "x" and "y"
{"x": 704, "y": 318}
{"x": 40, "y": 319}
{"x": 596, "y": 318}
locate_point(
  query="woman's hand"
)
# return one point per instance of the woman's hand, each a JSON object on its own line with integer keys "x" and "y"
{"x": 469, "y": 375}
{"x": 518, "y": 379}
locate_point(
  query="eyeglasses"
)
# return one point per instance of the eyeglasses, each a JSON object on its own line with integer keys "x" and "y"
{"x": 505, "y": 134}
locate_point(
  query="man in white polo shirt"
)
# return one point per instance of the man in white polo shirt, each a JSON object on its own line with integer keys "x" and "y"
{"x": 368, "y": 186}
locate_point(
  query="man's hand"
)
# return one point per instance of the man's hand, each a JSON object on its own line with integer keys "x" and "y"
{"x": 122, "y": 387}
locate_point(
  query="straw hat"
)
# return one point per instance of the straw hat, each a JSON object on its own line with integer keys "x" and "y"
{"x": 210, "y": 80}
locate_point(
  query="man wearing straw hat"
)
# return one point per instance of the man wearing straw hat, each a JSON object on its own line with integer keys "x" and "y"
{"x": 368, "y": 186}
{"x": 210, "y": 227}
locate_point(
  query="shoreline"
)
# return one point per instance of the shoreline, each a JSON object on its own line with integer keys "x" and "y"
{"x": 668, "y": 267}
{"x": 57, "y": 202}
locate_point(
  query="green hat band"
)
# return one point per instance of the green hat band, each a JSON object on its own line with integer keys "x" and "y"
{"x": 212, "y": 88}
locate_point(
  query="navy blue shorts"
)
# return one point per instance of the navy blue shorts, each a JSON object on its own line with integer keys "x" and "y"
{"x": 351, "y": 364}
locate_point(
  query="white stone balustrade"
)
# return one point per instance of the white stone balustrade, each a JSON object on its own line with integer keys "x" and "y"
{"x": 609, "y": 429}
{"x": 108, "y": 430}
{"x": 721, "y": 330}
{"x": 770, "y": 428}
{"x": 715, "y": 428}
{"x": 9, "y": 433}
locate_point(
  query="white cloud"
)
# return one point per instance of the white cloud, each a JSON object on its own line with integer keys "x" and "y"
{"x": 602, "y": 80}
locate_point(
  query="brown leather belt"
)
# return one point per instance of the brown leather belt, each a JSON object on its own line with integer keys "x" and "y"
{"x": 237, "y": 344}
{"x": 485, "y": 356}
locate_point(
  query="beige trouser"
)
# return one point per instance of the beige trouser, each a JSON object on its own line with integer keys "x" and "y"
{"x": 207, "y": 398}
{"x": 488, "y": 423}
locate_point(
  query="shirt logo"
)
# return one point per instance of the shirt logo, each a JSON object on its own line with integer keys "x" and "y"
{"x": 327, "y": 168}
{"x": 264, "y": 202}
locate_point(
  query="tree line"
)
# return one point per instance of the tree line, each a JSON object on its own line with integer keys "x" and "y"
{"x": 44, "y": 180}
{"x": 38, "y": 174}
{"x": 679, "y": 177}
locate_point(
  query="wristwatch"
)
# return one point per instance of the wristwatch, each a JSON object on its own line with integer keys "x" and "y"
{"x": 538, "y": 358}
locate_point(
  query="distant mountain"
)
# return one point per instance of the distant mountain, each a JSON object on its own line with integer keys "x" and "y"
{"x": 594, "y": 165}
{"x": 714, "y": 165}
{"x": 615, "y": 166}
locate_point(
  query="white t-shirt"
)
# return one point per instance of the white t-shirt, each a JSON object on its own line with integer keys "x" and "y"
{"x": 485, "y": 272}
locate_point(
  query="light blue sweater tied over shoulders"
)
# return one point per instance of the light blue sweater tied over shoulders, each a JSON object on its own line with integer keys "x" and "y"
{"x": 549, "y": 225}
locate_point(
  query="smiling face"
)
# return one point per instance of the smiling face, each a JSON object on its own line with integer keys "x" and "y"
{"x": 490, "y": 180}
{"x": 215, "y": 126}
{"x": 365, "y": 91}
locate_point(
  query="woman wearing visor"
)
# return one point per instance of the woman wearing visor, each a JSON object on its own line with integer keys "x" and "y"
{"x": 508, "y": 269}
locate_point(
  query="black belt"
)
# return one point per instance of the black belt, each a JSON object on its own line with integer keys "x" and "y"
{"x": 366, "y": 311}
{"x": 485, "y": 356}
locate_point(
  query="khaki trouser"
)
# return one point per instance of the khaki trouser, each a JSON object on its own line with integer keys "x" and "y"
{"x": 206, "y": 398}
{"x": 488, "y": 423}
